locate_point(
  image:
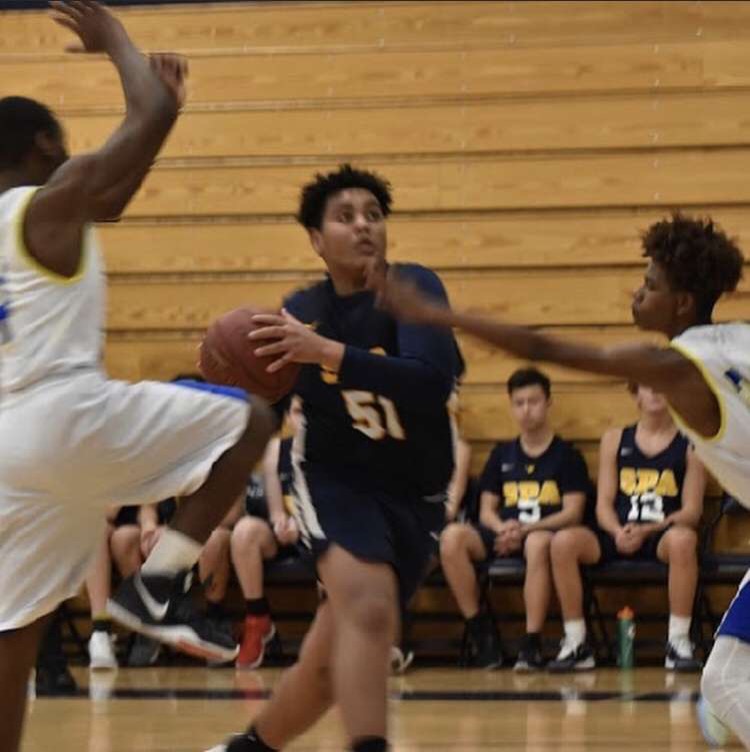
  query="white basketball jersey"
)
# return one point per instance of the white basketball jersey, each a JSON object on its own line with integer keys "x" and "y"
{"x": 722, "y": 352}
{"x": 49, "y": 324}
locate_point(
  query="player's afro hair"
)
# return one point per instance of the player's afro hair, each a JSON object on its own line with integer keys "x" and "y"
{"x": 697, "y": 257}
{"x": 315, "y": 194}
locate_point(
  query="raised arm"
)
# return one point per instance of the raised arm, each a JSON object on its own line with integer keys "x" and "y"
{"x": 99, "y": 185}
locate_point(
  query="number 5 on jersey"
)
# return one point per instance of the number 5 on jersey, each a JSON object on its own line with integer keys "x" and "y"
{"x": 375, "y": 416}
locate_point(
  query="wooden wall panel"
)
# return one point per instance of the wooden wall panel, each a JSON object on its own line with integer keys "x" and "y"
{"x": 230, "y": 78}
{"x": 389, "y": 24}
{"x": 598, "y": 180}
{"x": 648, "y": 121}
{"x": 543, "y": 297}
{"x": 455, "y": 241}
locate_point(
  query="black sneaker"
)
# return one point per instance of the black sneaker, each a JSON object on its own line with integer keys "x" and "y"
{"x": 572, "y": 658}
{"x": 529, "y": 657}
{"x": 54, "y": 681}
{"x": 145, "y": 652}
{"x": 239, "y": 743}
{"x": 484, "y": 646}
{"x": 160, "y": 607}
{"x": 679, "y": 657}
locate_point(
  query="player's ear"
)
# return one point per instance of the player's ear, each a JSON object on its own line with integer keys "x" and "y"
{"x": 685, "y": 304}
{"x": 316, "y": 240}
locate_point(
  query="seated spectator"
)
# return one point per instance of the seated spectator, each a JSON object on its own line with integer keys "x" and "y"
{"x": 267, "y": 531}
{"x": 531, "y": 487}
{"x": 649, "y": 504}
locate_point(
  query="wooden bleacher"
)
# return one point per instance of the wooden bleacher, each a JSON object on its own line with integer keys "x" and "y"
{"x": 527, "y": 143}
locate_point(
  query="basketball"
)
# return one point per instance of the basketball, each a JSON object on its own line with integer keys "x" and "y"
{"x": 227, "y": 357}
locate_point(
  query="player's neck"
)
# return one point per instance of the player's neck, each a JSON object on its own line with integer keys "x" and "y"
{"x": 345, "y": 285}
{"x": 16, "y": 178}
{"x": 536, "y": 442}
{"x": 654, "y": 424}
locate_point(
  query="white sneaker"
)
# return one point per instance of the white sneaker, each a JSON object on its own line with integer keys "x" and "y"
{"x": 101, "y": 652}
{"x": 714, "y": 730}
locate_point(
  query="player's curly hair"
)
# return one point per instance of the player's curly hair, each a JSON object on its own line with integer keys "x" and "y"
{"x": 697, "y": 257}
{"x": 20, "y": 120}
{"x": 315, "y": 194}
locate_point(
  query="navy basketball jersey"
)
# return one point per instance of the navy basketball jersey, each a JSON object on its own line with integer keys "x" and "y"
{"x": 383, "y": 419}
{"x": 649, "y": 488}
{"x": 532, "y": 487}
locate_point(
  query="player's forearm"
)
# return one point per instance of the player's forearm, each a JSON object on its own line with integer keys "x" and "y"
{"x": 405, "y": 380}
{"x": 607, "y": 519}
{"x": 120, "y": 166}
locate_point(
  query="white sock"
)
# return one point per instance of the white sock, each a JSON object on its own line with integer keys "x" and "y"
{"x": 173, "y": 553}
{"x": 575, "y": 632}
{"x": 679, "y": 629}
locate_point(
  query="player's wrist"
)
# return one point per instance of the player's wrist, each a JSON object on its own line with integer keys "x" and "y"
{"x": 332, "y": 355}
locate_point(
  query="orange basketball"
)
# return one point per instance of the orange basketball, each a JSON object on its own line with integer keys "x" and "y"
{"x": 227, "y": 357}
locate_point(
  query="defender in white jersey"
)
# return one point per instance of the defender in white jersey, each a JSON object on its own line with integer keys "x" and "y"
{"x": 704, "y": 373}
{"x": 73, "y": 442}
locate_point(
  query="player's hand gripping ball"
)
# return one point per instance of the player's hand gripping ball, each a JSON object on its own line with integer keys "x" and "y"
{"x": 228, "y": 357}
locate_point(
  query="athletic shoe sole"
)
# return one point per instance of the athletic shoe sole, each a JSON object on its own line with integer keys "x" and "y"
{"x": 179, "y": 636}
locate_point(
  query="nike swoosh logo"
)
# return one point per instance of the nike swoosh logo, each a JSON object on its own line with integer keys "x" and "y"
{"x": 157, "y": 610}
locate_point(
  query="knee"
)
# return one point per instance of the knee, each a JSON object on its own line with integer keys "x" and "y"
{"x": 563, "y": 546}
{"x": 682, "y": 543}
{"x": 262, "y": 423}
{"x": 537, "y": 546}
{"x": 453, "y": 541}
{"x": 374, "y": 614}
{"x": 249, "y": 532}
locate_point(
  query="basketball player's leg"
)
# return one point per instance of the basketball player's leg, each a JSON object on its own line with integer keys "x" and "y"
{"x": 678, "y": 548}
{"x": 253, "y": 542}
{"x": 461, "y": 546}
{"x": 213, "y": 565}
{"x": 570, "y": 548}
{"x": 537, "y": 587}
{"x": 364, "y": 600}
{"x": 125, "y": 546}
{"x": 98, "y": 587}
{"x": 725, "y": 684}
{"x": 302, "y": 696}
{"x": 198, "y": 446}
{"x": 18, "y": 651}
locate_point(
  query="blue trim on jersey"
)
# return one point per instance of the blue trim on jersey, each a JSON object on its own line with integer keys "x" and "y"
{"x": 233, "y": 392}
{"x": 736, "y": 621}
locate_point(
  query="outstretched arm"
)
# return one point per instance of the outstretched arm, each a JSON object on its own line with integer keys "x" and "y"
{"x": 99, "y": 185}
{"x": 664, "y": 369}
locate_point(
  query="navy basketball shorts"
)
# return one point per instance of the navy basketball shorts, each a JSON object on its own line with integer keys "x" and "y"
{"x": 369, "y": 523}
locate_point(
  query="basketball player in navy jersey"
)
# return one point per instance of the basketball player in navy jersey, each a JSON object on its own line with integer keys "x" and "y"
{"x": 704, "y": 374}
{"x": 372, "y": 462}
{"x": 74, "y": 441}
{"x": 649, "y": 506}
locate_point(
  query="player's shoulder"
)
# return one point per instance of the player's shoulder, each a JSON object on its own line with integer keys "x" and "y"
{"x": 422, "y": 276}
{"x": 305, "y": 302}
{"x": 611, "y": 438}
{"x": 564, "y": 446}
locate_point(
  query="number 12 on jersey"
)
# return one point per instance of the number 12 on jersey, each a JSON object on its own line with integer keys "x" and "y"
{"x": 375, "y": 416}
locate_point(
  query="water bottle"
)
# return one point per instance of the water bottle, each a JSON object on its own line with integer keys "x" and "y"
{"x": 625, "y": 637}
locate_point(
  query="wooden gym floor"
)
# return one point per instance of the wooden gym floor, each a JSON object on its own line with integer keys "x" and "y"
{"x": 190, "y": 709}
